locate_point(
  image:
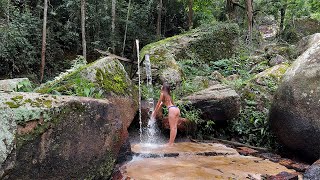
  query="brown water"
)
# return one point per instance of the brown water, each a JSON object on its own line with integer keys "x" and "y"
{"x": 225, "y": 164}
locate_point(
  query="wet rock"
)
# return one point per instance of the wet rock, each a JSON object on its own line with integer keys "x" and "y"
{"x": 62, "y": 136}
{"x": 284, "y": 176}
{"x": 313, "y": 172}
{"x": 12, "y": 84}
{"x": 246, "y": 151}
{"x": 272, "y": 157}
{"x": 183, "y": 148}
{"x": 200, "y": 167}
{"x": 294, "y": 114}
{"x": 218, "y": 102}
{"x": 278, "y": 59}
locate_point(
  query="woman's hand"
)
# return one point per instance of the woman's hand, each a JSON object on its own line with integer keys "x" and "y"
{"x": 153, "y": 115}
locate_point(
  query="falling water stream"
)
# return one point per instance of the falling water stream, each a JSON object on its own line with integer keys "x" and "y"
{"x": 148, "y": 136}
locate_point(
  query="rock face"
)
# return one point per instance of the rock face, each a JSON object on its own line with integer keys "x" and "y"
{"x": 61, "y": 137}
{"x": 217, "y": 102}
{"x": 11, "y": 84}
{"x": 295, "y": 112}
{"x": 204, "y": 44}
{"x": 313, "y": 172}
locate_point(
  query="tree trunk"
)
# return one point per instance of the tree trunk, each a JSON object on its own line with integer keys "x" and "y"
{"x": 159, "y": 19}
{"x": 44, "y": 37}
{"x": 83, "y": 29}
{"x": 249, "y": 9}
{"x": 282, "y": 16}
{"x": 231, "y": 10}
{"x": 125, "y": 32}
{"x": 190, "y": 16}
{"x": 113, "y": 25}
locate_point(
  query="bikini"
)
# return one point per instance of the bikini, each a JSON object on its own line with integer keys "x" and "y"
{"x": 172, "y": 106}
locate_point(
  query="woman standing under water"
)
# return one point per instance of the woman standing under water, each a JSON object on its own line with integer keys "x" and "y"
{"x": 174, "y": 112}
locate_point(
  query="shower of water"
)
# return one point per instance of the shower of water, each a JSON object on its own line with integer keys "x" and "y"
{"x": 149, "y": 136}
{"x": 151, "y": 128}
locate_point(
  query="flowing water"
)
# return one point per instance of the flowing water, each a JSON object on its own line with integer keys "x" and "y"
{"x": 152, "y": 126}
{"x": 149, "y": 135}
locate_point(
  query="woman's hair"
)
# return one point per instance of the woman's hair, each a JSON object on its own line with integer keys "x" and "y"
{"x": 166, "y": 88}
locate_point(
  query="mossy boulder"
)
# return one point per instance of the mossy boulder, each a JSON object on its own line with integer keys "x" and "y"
{"x": 294, "y": 114}
{"x": 274, "y": 73}
{"x": 103, "y": 78}
{"x": 61, "y": 137}
{"x": 207, "y": 43}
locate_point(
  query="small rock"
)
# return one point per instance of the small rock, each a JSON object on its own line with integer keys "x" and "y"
{"x": 246, "y": 151}
{"x": 278, "y": 59}
{"x": 217, "y": 76}
{"x": 272, "y": 157}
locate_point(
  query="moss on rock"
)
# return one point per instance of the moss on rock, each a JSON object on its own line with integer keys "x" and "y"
{"x": 98, "y": 79}
{"x": 204, "y": 44}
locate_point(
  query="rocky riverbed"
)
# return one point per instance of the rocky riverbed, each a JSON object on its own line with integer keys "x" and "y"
{"x": 191, "y": 160}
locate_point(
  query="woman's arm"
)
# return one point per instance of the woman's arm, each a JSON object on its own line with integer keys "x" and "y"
{"x": 159, "y": 103}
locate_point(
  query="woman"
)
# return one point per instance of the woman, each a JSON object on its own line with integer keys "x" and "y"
{"x": 174, "y": 112}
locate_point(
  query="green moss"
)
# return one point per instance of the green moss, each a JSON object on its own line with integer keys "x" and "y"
{"x": 112, "y": 82}
{"x": 12, "y": 104}
{"x": 104, "y": 169}
{"x": 47, "y": 103}
{"x": 17, "y": 98}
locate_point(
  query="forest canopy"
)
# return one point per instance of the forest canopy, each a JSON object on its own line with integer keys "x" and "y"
{"x": 113, "y": 26}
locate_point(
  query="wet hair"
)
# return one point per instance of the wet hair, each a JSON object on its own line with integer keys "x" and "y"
{"x": 166, "y": 88}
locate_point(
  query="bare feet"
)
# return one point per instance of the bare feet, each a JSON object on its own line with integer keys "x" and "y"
{"x": 169, "y": 144}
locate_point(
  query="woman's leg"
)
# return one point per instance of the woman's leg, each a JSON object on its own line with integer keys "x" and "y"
{"x": 174, "y": 114}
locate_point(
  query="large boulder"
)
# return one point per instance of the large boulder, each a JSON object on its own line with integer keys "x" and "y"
{"x": 61, "y": 137}
{"x": 218, "y": 103}
{"x": 103, "y": 78}
{"x": 208, "y": 43}
{"x": 295, "y": 111}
